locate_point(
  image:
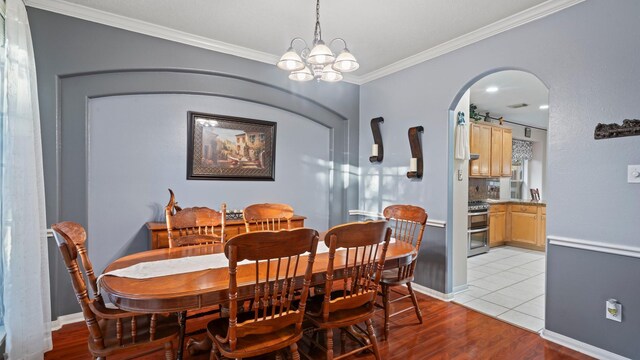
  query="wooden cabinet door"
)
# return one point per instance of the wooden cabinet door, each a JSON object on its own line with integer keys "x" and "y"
{"x": 542, "y": 231}
{"x": 485, "y": 150}
{"x": 523, "y": 227}
{"x": 507, "y": 149}
{"x": 475, "y": 148}
{"x": 497, "y": 228}
{"x": 496, "y": 152}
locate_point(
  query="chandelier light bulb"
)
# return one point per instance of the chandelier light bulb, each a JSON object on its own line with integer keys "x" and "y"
{"x": 290, "y": 61}
{"x": 320, "y": 54}
{"x": 330, "y": 75}
{"x": 301, "y": 75}
{"x": 346, "y": 62}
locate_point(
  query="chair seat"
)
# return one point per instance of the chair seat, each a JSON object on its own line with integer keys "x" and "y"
{"x": 251, "y": 345}
{"x": 167, "y": 329}
{"x": 390, "y": 277}
{"x": 339, "y": 318}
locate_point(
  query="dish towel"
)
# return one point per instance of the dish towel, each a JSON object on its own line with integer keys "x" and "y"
{"x": 461, "y": 151}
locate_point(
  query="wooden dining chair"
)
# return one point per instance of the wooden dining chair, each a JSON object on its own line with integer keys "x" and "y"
{"x": 111, "y": 331}
{"x": 356, "y": 269}
{"x": 260, "y": 217}
{"x": 408, "y": 223}
{"x": 273, "y": 322}
{"x": 194, "y": 225}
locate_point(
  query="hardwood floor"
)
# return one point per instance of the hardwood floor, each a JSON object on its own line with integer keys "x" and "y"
{"x": 450, "y": 331}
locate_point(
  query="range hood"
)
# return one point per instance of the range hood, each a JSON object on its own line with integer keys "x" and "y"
{"x": 474, "y": 156}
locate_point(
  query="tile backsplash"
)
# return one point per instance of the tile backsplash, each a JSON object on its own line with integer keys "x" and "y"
{"x": 482, "y": 189}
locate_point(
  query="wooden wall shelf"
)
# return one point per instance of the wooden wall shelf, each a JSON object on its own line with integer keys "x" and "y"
{"x": 377, "y": 139}
{"x": 416, "y": 151}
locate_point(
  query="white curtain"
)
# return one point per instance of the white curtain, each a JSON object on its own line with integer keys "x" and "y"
{"x": 24, "y": 243}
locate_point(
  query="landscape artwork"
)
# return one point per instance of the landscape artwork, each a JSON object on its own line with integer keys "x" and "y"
{"x": 230, "y": 148}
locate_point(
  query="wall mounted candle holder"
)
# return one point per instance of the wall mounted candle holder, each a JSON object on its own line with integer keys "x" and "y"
{"x": 415, "y": 167}
{"x": 377, "y": 150}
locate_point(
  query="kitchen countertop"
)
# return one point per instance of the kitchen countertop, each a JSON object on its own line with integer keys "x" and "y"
{"x": 517, "y": 201}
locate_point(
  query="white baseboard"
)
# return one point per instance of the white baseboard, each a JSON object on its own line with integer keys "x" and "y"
{"x": 430, "y": 292}
{"x": 460, "y": 288}
{"x": 66, "y": 319}
{"x": 576, "y": 345}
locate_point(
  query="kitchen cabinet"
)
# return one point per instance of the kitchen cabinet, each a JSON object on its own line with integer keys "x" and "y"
{"x": 518, "y": 224}
{"x": 497, "y": 225}
{"x": 493, "y": 144}
{"x": 480, "y": 143}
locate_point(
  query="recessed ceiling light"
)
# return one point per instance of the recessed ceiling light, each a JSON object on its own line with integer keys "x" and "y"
{"x": 544, "y": 107}
{"x": 492, "y": 89}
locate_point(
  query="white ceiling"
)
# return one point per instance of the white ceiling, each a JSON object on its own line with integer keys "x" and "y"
{"x": 514, "y": 87}
{"x": 380, "y": 33}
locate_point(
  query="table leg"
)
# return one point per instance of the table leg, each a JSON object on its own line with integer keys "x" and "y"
{"x": 182, "y": 320}
{"x": 196, "y": 347}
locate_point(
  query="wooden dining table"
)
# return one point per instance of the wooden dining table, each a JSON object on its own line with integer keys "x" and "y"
{"x": 205, "y": 288}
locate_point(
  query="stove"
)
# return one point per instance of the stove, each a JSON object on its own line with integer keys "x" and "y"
{"x": 478, "y": 206}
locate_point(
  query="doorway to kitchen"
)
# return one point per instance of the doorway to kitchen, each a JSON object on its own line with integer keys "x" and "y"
{"x": 499, "y": 210}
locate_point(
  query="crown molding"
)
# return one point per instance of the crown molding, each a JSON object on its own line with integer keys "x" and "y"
{"x": 122, "y": 22}
{"x": 526, "y": 16}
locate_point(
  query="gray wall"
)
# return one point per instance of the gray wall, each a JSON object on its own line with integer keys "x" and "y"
{"x": 138, "y": 146}
{"x": 587, "y": 55}
{"x": 78, "y": 61}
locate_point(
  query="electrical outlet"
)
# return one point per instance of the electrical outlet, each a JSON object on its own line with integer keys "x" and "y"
{"x": 613, "y": 310}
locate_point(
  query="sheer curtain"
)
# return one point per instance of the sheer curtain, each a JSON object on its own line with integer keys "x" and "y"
{"x": 24, "y": 243}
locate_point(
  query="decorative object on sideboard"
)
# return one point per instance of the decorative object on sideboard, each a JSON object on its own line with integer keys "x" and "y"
{"x": 230, "y": 148}
{"x": 415, "y": 165}
{"x": 319, "y": 62}
{"x": 608, "y": 131}
{"x": 377, "y": 149}
{"x": 235, "y": 214}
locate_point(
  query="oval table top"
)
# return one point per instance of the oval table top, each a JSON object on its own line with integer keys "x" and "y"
{"x": 194, "y": 290}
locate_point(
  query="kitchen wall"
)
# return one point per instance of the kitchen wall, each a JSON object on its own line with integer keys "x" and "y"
{"x": 587, "y": 56}
{"x": 537, "y": 172}
{"x": 84, "y": 66}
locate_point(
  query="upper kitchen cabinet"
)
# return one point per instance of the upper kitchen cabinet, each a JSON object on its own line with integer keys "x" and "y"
{"x": 480, "y": 144}
{"x": 493, "y": 144}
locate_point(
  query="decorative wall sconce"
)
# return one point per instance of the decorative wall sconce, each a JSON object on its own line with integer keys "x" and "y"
{"x": 377, "y": 150}
{"x": 415, "y": 166}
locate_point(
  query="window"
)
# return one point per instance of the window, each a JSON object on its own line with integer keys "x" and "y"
{"x": 252, "y": 138}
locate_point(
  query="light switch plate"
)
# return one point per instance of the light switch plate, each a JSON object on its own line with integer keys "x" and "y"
{"x": 633, "y": 174}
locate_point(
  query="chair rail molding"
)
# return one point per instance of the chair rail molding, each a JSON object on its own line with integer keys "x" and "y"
{"x": 434, "y": 223}
{"x": 580, "y": 346}
{"x": 598, "y": 246}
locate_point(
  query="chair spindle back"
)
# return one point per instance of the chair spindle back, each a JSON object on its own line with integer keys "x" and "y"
{"x": 278, "y": 272}
{"x": 195, "y": 225}
{"x": 408, "y": 223}
{"x": 267, "y": 217}
{"x": 363, "y": 258}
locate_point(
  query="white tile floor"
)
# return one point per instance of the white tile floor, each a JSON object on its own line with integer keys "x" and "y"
{"x": 507, "y": 283}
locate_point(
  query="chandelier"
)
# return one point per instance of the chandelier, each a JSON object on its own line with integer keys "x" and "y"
{"x": 319, "y": 62}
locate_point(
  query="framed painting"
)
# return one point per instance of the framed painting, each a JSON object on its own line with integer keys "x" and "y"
{"x": 223, "y": 147}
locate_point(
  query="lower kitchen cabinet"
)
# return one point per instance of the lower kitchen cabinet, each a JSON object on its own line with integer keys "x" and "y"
{"x": 518, "y": 224}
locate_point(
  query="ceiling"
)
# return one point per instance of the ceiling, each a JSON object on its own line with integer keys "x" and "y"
{"x": 382, "y": 34}
{"x": 514, "y": 87}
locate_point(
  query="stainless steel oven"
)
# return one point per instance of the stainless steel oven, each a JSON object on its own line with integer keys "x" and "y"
{"x": 478, "y": 229}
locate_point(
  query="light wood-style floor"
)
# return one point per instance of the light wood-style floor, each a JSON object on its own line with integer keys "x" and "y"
{"x": 449, "y": 331}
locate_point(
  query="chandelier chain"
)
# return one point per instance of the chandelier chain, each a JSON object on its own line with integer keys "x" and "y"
{"x": 317, "y": 34}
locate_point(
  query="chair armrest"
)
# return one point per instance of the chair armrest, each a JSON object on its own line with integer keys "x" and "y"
{"x": 109, "y": 313}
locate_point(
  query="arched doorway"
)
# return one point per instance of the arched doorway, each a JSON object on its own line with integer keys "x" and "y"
{"x": 497, "y": 232}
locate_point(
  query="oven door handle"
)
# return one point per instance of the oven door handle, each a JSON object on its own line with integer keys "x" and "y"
{"x": 478, "y": 213}
{"x": 477, "y": 231}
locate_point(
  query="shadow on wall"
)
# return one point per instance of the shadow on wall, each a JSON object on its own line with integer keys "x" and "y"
{"x": 383, "y": 186}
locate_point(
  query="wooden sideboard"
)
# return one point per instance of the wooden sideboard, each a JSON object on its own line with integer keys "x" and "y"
{"x": 158, "y": 230}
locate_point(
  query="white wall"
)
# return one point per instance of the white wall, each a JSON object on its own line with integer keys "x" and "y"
{"x": 137, "y": 149}
{"x": 460, "y": 205}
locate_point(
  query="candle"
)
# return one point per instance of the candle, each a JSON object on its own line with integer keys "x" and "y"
{"x": 374, "y": 150}
{"x": 413, "y": 165}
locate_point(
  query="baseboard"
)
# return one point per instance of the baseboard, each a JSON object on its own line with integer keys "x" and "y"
{"x": 430, "y": 292}
{"x": 66, "y": 319}
{"x": 576, "y": 345}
